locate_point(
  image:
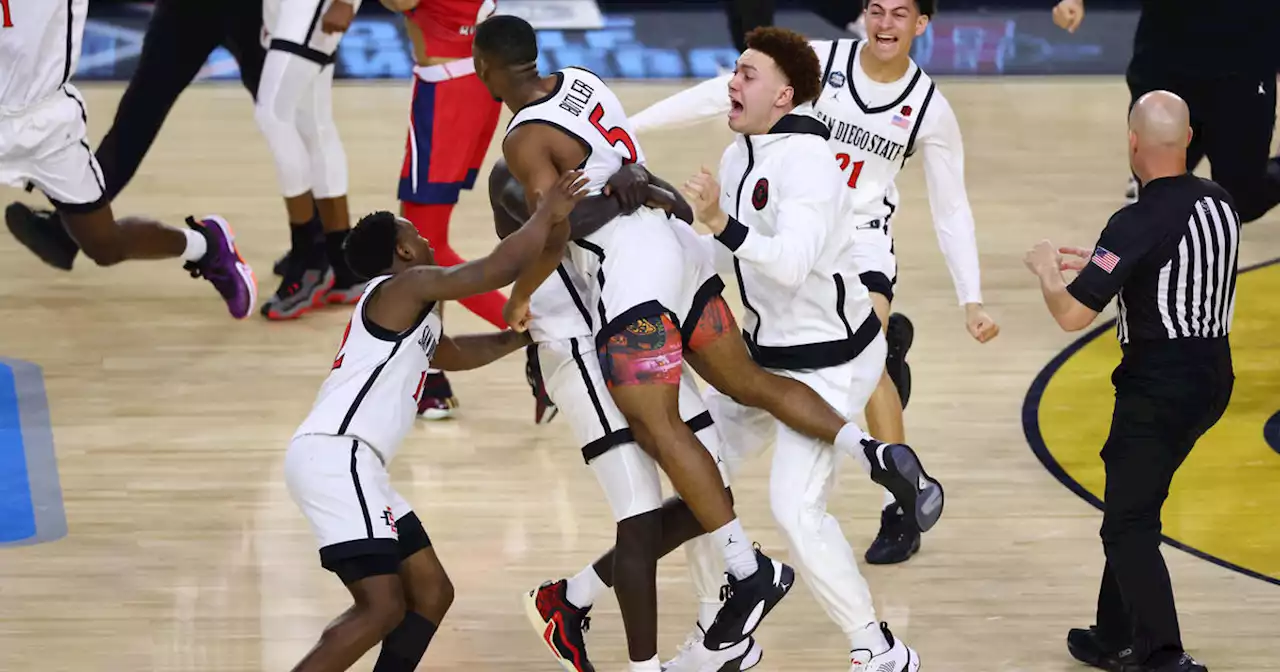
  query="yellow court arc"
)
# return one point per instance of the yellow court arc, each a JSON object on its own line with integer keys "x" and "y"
{"x": 1224, "y": 502}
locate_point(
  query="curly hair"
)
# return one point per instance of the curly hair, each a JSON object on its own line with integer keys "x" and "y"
{"x": 791, "y": 51}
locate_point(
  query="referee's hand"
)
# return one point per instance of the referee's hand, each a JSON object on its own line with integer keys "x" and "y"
{"x": 1077, "y": 264}
{"x": 1068, "y": 14}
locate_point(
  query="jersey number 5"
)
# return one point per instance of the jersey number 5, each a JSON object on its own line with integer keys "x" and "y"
{"x": 4, "y": 9}
{"x": 613, "y": 135}
{"x": 844, "y": 160}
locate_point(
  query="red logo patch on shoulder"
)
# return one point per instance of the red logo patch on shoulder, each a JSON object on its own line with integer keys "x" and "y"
{"x": 760, "y": 194}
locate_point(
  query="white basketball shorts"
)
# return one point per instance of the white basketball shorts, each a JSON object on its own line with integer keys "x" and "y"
{"x": 637, "y": 268}
{"x": 344, "y": 491}
{"x": 628, "y": 476}
{"x": 45, "y": 147}
{"x": 873, "y": 257}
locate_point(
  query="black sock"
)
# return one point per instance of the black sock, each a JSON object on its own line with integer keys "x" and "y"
{"x": 306, "y": 241}
{"x": 402, "y": 649}
{"x": 333, "y": 240}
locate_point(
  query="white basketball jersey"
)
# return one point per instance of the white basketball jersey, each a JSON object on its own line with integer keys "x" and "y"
{"x": 372, "y": 391}
{"x": 559, "y": 306}
{"x": 871, "y": 136}
{"x": 584, "y": 107}
{"x": 39, "y": 49}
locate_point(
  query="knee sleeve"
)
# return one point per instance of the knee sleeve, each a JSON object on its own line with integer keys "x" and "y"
{"x": 319, "y": 133}
{"x": 286, "y": 79}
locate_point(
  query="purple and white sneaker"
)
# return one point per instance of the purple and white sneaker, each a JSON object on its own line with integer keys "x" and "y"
{"x": 223, "y": 266}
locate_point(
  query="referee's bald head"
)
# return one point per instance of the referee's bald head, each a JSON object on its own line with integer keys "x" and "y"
{"x": 1159, "y": 132}
{"x": 1160, "y": 119}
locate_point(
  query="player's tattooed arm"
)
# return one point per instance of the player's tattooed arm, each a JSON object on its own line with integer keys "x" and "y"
{"x": 401, "y": 299}
{"x": 472, "y": 351}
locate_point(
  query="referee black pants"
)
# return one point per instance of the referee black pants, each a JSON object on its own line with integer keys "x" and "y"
{"x": 1232, "y": 121}
{"x": 1167, "y": 397}
{"x": 181, "y": 36}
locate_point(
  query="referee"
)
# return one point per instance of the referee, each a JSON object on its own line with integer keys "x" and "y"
{"x": 1170, "y": 259}
{"x": 1224, "y": 66}
{"x": 179, "y": 39}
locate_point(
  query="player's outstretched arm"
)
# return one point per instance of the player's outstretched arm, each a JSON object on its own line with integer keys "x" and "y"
{"x": 701, "y": 102}
{"x": 472, "y": 351}
{"x": 423, "y": 285}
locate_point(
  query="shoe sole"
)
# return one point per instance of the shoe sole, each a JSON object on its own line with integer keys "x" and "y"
{"x": 746, "y": 661}
{"x": 547, "y": 415}
{"x": 17, "y": 217}
{"x": 319, "y": 299}
{"x": 925, "y": 503}
{"x": 543, "y": 628}
{"x": 243, "y": 269}
{"x": 1091, "y": 660}
{"x": 435, "y": 414}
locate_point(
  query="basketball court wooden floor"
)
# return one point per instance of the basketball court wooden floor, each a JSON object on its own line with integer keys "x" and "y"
{"x": 170, "y": 423}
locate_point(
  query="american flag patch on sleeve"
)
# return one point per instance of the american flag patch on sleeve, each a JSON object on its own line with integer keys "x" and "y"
{"x": 1105, "y": 259}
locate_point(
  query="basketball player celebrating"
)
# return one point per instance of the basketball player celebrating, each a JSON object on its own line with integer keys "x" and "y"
{"x": 546, "y": 133}
{"x": 560, "y": 326}
{"x": 451, "y": 122}
{"x": 42, "y": 144}
{"x": 335, "y": 467}
{"x": 294, "y": 109}
{"x": 881, "y": 109}
{"x": 792, "y": 252}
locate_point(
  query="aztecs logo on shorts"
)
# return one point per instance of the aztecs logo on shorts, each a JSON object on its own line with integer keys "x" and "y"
{"x": 760, "y": 194}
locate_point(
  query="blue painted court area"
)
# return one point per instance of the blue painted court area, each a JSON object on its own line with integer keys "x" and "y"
{"x": 17, "y": 512}
{"x": 31, "y": 508}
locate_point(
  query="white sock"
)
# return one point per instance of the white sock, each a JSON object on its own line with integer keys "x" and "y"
{"x": 889, "y": 500}
{"x": 197, "y": 245}
{"x": 707, "y": 614}
{"x": 849, "y": 440}
{"x": 583, "y": 589}
{"x": 739, "y": 556}
{"x": 434, "y": 371}
{"x": 651, "y": 665}
{"x": 870, "y": 638}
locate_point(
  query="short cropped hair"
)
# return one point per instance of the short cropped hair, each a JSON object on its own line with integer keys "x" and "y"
{"x": 507, "y": 39}
{"x": 791, "y": 51}
{"x": 371, "y": 245}
{"x": 925, "y": 7}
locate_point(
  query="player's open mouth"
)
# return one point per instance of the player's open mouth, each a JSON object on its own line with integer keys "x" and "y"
{"x": 885, "y": 39}
{"x": 735, "y": 108}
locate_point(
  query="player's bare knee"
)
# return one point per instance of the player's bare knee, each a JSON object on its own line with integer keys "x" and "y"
{"x": 432, "y": 597}
{"x": 380, "y": 603}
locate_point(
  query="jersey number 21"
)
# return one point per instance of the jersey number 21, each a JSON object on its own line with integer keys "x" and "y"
{"x": 844, "y": 160}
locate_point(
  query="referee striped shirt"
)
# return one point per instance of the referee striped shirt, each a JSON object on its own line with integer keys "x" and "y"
{"x": 1170, "y": 261}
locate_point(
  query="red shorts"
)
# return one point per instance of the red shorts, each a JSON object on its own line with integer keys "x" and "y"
{"x": 450, "y": 126}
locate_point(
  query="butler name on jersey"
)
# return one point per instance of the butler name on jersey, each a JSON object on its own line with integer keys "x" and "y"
{"x": 372, "y": 390}
{"x": 583, "y": 106}
{"x": 872, "y": 142}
